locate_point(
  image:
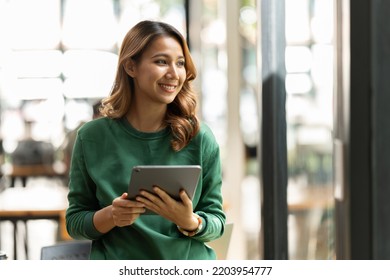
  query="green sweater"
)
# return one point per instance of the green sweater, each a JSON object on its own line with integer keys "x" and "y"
{"x": 104, "y": 153}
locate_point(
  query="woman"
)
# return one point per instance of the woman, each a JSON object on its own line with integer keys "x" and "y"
{"x": 148, "y": 119}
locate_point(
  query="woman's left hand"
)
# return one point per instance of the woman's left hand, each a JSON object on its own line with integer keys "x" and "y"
{"x": 179, "y": 212}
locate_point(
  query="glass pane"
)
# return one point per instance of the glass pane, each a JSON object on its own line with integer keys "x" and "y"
{"x": 83, "y": 28}
{"x": 322, "y": 21}
{"x": 36, "y": 63}
{"x": 298, "y": 83}
{"x": 77, "y": 111}
{"x": 89, "y": 74}
{"x": 81, "y": 87}
{"x": 171, "y": 11}
{"x": 309, "y": 84}
{"x": 57, "y": 57}
{"x": 29, "y": 89}
{"x": 297, "y": 21}
{"x": 12, "y": 126}
{"x": 322, "y": 71}
{"x": 298, "y": 59}
{"x": 213, "y": 68}
{"x": 98, "y": 64}
{"x": 34, "y": 24}
{"x": 44, "y": 118}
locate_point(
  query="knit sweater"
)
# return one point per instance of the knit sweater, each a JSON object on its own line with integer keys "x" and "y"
{"x": 104, "y": 153}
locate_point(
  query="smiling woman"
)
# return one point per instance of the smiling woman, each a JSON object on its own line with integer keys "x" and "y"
{"x": 161, "y": 51}
{"x": 148, "y": 119}
{"x": 164, "y": 62}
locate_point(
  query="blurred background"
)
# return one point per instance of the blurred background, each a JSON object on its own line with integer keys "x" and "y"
{"x": 58, "y": 58}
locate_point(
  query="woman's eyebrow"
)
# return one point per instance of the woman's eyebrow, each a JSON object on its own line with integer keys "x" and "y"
{"x": 166, "y": 55}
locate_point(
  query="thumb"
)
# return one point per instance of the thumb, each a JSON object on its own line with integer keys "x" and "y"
{"x": 124, "y": 195}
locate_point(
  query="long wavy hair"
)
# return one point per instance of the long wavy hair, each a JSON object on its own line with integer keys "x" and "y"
{"x": 181, "y": 113}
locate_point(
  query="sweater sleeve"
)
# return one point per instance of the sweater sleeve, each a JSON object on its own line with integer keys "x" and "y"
{"x": 210, "y": 206}
{"x": 81, "y": 197}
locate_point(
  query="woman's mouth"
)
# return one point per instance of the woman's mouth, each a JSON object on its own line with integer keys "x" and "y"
{"x": 169, "y": 88}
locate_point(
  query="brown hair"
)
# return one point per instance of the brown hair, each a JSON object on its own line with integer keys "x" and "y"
{"x": 181, "y": 113}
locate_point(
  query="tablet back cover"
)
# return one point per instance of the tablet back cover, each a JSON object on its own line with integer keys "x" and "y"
{"x": 171, "y": 178}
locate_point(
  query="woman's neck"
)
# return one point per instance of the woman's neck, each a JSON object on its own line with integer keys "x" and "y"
{"x": 146, "y": 120}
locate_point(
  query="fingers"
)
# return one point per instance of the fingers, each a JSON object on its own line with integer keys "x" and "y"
{"x": 151, "y": 201}
{"x": 122, "y": 201}
{"x": 164, "y": 205}
{"x": 160, "y": 194}
{"x": 157, "y": 201}
{"x": 125, "y": 212}
{"x": 125, "y": 220}
{"x": 185, "y": 198}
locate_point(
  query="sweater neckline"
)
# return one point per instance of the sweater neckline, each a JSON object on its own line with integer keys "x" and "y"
{"x": 148, "y": 135}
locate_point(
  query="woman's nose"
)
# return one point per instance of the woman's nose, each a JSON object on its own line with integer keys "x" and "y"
{"x": 172, "y": 72}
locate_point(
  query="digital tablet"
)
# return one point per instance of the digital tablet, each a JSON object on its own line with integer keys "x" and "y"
{"x": 171, "y": 178}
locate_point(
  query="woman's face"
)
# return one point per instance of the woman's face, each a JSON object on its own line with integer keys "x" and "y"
{"x": 160, "y": 73}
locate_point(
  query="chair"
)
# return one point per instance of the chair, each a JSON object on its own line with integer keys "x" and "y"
{"x": 67, "y": 250}
{"x": 221, "y": 245}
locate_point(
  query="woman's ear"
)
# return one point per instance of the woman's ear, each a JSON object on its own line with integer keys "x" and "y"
{"x": 130, "y": 68}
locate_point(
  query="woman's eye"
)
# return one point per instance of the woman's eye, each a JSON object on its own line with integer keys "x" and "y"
{"x": 161, "y": 61}
{"x": 181, "y": 63}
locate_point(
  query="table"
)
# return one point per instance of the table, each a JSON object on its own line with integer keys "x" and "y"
{"x": 308, "y": 198}
{"x": 40, "y": 200}
{"x": 14, "y": 216}
{"x": 27, "y": 171}
{"x": 309, "y": 206}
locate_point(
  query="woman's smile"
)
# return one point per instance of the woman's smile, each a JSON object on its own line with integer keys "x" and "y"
{"x": 168, "y": 87}
{"x": 160, "y": 73}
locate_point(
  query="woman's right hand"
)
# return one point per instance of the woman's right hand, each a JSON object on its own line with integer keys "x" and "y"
{"x": 122, "y": 212}
{"x": 125, "y": 211}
